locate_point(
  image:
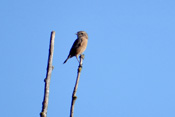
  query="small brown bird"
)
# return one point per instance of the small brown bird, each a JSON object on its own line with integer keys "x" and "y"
{"x": 79, "y": 45}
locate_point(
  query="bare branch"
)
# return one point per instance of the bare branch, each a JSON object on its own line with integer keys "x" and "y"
{"x": 48, "y": 76}
{"x": 74, "y": 97}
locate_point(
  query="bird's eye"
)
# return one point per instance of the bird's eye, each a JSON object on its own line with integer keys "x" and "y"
{"x": 81, "y": 33}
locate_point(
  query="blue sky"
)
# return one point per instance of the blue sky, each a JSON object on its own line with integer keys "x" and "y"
{"x": 129, "y": 65}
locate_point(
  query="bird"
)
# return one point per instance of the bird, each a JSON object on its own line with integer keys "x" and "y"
{"x": 79, "y": 45}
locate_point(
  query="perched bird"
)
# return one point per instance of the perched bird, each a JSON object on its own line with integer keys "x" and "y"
{"x": 79, "y": 45}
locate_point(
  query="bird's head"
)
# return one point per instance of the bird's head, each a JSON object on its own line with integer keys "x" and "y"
{"x": 82, "y": 34}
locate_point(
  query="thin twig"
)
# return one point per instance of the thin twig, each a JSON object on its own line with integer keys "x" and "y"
{"x": 48, "y": 76}
{"x": 74, "y": 97}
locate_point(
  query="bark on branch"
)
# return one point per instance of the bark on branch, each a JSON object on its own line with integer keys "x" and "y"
{"x": 48, "y": 76}
{"x": 74, "y": 97}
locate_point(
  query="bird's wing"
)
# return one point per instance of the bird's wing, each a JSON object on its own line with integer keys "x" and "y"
{"x": 75, "y": 46}
{"x": 77, "y": 43}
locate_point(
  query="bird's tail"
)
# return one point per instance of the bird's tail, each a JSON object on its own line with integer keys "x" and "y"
{"x": 66, "y": 59}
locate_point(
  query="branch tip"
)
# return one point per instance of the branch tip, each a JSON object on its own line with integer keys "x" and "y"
{"x": 74, "y": 97}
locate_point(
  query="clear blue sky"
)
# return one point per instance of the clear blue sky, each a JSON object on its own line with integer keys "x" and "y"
{"x": 129, "y": 66}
